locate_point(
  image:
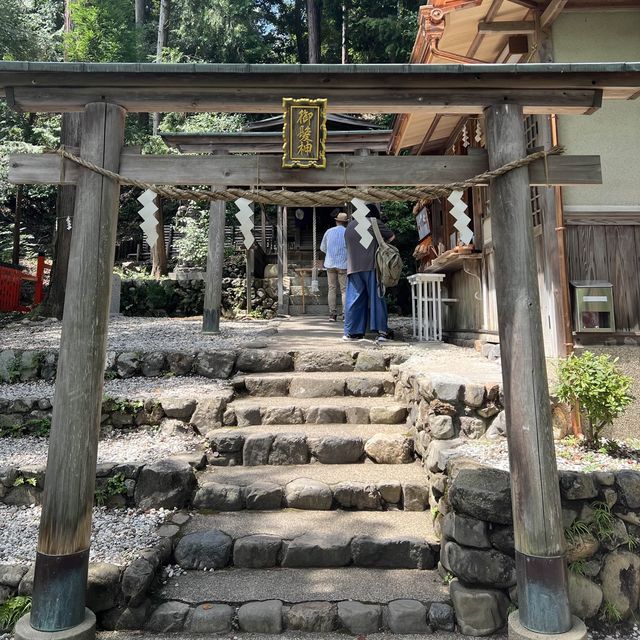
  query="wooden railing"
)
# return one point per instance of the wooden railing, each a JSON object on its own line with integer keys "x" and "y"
{"x": 11, "y": 280}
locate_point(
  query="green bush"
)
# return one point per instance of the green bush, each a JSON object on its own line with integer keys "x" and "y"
{"x": 12, "y": 610}
{"x": 600, "y": 389}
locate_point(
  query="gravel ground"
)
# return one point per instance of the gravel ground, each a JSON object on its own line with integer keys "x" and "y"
{"x": 570, "y": 457}
{"x": 143, "y": 446}
{"x": 117, "y": 534}
{"x": 140, "y": 334}
{"x": 137, "y": 388}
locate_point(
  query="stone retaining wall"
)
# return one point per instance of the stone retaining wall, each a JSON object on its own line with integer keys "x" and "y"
{"x": 28, "y": 366}
{"x": 601, "y": 516}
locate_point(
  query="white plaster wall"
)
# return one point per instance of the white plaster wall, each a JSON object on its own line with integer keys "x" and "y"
{"x": 613, "y": 131}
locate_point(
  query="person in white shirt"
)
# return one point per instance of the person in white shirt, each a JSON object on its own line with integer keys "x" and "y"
{"x": 335, "y": 262}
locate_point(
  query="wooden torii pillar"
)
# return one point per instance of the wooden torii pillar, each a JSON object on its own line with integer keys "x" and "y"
{"x": 62, "y": 558}
{"x": 537, "y": 514}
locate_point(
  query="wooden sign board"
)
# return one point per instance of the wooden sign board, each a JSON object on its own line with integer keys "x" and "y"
{"x": 304, "y": 133}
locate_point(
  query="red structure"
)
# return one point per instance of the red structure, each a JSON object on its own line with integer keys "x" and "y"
{"x": 11, "y": 280}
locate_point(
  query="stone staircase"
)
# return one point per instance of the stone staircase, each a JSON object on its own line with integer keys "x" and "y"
{"x": 312, "y": 515}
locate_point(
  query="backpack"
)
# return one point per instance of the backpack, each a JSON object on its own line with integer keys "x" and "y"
{"x": 388, "y": 262}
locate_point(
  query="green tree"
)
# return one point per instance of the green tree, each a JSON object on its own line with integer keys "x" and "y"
{"x": 28, "y": 30}
{"x": 103, "y": 31}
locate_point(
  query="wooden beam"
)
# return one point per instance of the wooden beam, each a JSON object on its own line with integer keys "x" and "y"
{"x": 553, "y": 10}
{"x": 539, "y": 536}
{"x": 47, "y": 168}
{"x": 65, "y": 525}
{"x": 379, "y": 100}
{"x": 493, "y": 11}
{"x": 507, "y": 27}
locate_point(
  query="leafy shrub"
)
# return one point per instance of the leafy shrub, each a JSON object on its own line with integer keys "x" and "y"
{"x": 12, "y": 610}
{"x": 598, "y": 386}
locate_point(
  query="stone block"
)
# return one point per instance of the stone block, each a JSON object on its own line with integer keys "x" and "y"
{"x": 446, "y": 387}
{"x": 263, "y": 361}
{"x": 466, "y": 531}
{"x": 167, "y": 484}
{"x": 585, "y": 597}
{"x": 482, "y": 493}
{"x": 357, "y": 495}
{"x": 127, "y": 364}
{"x": 215, "y": 364}
{"x": 256, "y": 449}
{"x": 474, "y": 395}
{"x": 324, "y": 361}
{"x": 256, "y": 552}
{"x": 227, "y": 441}
{"x": 359, "y": 618}
{"x": 178, "y": 407}
{"x": 357, "y": 415}
{"x": 153, "y": 364}
{"x": 386, "y": 448}
{"x": 415, "y": 497}
{"x": 282, "y": 415}
{"x": 325, "y": 415}
{"x": 137, "y": 578}
{"x": 318, "y": 617}
{"x": 263, "y": 496}
{"x": 620, "y": 579}
{"x": 473, "y": 428}
{"x": 336, "y": 449}
{"x": 204, "y": 550}
{"x": 577, "y": 486}
{"x": 318, "y": 550}
{"x": 261, "y": 617}
{"x": 405, "y": 553}
{"x": 267, "y": 386}
{"x": 441, "y": 616}
{"x": 210, "y": 618}
{"x": 628, "y": 485}
{"x": 365, "y": 387}
{"x": 208, "y": 414}
{"x": 441, "y": 427}
{"x": 390, "y": 491}
{"x": 480, "y": 567}
{"x": 304, "y": 387}
{"x": 439, "y": 452}
{"x": 125, "y": 618}
{"x": 289, "y": 448}
{"x": 179, "y": 363}
{"x": 103, "y": 586}
{"x": 407, "y": 616}
{"x": 371, "y": 361}
{"x": 479, "y": 611}
{"x": 29, "y": 365}
{"x": 219, "y": 497}
{"x": 169, "y": 616}
{"x": 245, "y": 416}
{"x": 11, "y": 575}
{"x": 387, "y": 415}
{"x": 305, "y": 493}
{"x": 502, "y": 539}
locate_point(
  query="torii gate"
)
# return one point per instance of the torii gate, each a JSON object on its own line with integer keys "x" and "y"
{"x": 105, "y": 92}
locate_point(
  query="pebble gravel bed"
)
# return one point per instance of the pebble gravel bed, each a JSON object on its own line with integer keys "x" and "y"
{"x": 143, "y": 447}
{"x": 116, "y": 534}
{"x": 570, "y": 457}
{"x": 141, "y": 334}
{"x": 137, "y": 388}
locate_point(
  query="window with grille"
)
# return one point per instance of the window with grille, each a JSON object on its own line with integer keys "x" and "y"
{"x": 531, "y": 138}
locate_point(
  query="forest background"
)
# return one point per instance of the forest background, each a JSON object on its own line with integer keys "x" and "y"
{"x": 221, "y": 31}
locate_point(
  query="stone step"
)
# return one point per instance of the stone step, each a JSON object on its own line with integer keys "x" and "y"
{"x": 314, "y": 487}
{"x": 263, "y": 539}
{"x": 355, "y": 600}
{"x": 310, "y": 443}
{"x": 318, "y": 385}
{"x": 287, "y": 410}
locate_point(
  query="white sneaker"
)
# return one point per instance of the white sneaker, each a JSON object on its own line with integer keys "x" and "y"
{"x": 349, "y": 339}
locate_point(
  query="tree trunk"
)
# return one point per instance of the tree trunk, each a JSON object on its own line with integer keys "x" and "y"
{"x": 297, "y": 17}
{"x": 313, "y": 26}
{"x": 345, "y": 26}
{"x": 163, "y": 28}
{"x": 139, "y": 13}
{"x": 159, "y": 251}
{"x": 53, "y": 304}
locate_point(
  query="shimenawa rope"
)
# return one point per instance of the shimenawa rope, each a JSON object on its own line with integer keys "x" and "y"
{"x": 326, "y": 197}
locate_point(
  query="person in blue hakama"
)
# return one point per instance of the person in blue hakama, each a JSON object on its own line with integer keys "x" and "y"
{"x": 365, "y": 309}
